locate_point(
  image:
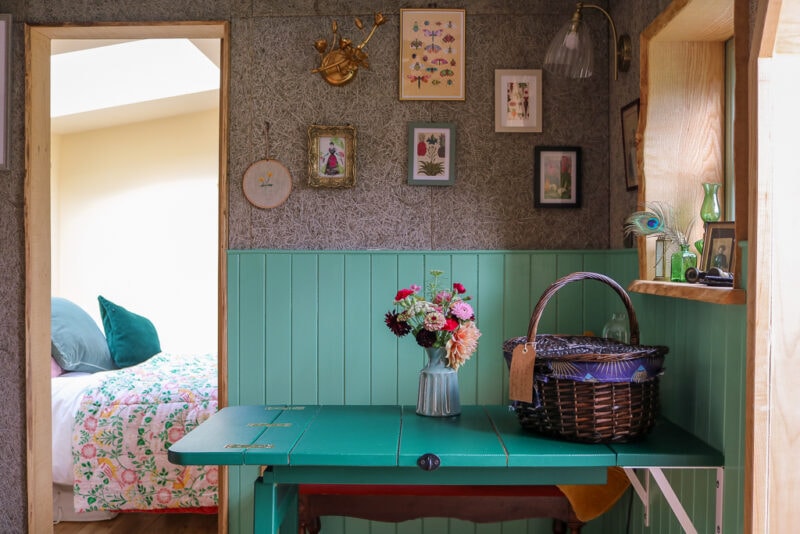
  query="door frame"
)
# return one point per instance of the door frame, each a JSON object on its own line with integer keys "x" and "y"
{"x": 37, "y": 237}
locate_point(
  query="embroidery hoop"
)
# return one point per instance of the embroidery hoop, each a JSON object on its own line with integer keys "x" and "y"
{"x": 267, "y": 183}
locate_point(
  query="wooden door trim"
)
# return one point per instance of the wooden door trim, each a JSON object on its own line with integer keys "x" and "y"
{"x": 37, "y": 236}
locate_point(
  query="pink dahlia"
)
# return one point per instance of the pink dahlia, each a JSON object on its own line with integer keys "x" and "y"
{"x": 462, "y": 310}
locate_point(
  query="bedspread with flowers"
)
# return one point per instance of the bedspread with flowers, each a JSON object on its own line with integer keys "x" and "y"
{"x": 124, "y": 427}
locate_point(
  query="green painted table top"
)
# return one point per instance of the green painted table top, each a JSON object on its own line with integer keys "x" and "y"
{"x": 370, "y": 437}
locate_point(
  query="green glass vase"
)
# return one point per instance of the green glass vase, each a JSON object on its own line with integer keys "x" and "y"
{"x": 682, "y": 260}
{"x": 710, "y": 210}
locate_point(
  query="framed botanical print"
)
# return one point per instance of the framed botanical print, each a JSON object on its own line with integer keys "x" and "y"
{"x": 557, "y": 177}
{"x": 518, "y": 101}
{"x": 431, "y": 153}
{"x": 331, "y": 156}
{"x": 432, "y": 54}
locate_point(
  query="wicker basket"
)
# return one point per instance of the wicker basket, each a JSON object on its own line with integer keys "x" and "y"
{"x": 587, "y": 389}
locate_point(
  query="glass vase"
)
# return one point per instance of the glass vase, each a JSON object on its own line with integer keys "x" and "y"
{"x": 682, "y": 260}
{"x": 710, "y": 210}
{"x": 438, "y": 386}
{"x": 617, "y": 328}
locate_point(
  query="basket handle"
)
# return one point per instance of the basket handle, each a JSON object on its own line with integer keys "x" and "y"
{"x": 576, "y": 277}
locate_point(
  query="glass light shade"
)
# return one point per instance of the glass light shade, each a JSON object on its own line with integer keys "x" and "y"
{"x": 570, "y": 52}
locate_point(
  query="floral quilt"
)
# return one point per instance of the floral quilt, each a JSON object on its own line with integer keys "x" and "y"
{"x": 124, "y": 427}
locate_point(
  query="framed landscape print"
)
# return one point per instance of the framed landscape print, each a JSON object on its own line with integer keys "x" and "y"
{"x": 557, "y": 177}
{"x": 432, "y": 54}
{"x": 518, "y": 101}
{"x": 331, "y": 156}
{"x": 431, "y": 153}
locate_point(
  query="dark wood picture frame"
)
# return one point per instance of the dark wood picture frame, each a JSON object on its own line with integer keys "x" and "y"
{"x": 557, "y": 173}
{"x": 719, "y": 246}
{"x": 629, "y": 119}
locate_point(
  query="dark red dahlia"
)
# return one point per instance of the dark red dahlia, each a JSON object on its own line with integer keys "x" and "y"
{"x": 426, "y": 338}
{"x": 459, "y": 288}
{"x": 399, "y": 328}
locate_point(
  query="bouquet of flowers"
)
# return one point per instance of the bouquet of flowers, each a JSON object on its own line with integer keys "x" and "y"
{"x": 444, "y": 319}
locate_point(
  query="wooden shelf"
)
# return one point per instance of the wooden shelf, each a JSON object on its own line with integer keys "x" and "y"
{"x": 703, "y": 293}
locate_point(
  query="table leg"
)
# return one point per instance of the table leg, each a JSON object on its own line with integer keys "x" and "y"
{"x": 274, "y": 506}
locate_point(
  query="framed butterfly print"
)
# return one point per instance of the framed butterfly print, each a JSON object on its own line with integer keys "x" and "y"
{"x": 432, "y": 54}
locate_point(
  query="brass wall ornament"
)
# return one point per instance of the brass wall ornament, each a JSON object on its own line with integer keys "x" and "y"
{"x": 340, "y": 65}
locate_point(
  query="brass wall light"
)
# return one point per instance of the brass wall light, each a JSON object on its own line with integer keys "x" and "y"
{"x": 571, "y": 54}
{"x": 339, "y": 65}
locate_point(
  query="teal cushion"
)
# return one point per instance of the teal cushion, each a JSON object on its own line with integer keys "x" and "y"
{"x": 76, "y": 342}
{"x": 131, "y": 338}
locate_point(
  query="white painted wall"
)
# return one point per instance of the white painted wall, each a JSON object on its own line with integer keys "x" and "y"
{"x": 135, "y": 220}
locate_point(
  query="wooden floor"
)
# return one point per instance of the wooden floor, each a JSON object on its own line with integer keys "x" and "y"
{"x": 132, "y": 523}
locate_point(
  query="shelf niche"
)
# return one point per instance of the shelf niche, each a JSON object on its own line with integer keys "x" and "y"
{"x": 681, "y": 131}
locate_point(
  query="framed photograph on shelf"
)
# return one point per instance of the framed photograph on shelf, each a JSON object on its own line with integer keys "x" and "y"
{"x": 431, "y": 153}
{"x": 432, "y": 54}
{"x": 518, "y": 101}
{"x": 5, "y": 88}
{"x": 719, "y": 246}
{"x": 557, "y": 177}
{"x": 630, "y": 122}
{"x": 331, "y": 156}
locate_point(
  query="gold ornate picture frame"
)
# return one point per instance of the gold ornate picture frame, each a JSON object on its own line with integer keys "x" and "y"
{"x": 432, "y": 56}
{"x": 331, "y": 156}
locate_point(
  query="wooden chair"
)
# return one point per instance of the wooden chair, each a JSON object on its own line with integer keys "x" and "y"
{"x": 393, "y": 504}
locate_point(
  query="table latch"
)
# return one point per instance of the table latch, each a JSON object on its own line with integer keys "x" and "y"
{"x": 429, "y": 462}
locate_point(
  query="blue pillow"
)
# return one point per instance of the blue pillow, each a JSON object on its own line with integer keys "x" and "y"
{"x": 76, "y": 342}
{"x": 131, "y": 338}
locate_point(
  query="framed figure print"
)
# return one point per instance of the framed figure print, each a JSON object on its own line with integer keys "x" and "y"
{"x": 331, "y": 156}
{"x": 630, "y": 123}
{"x": 719, "y": 246}
{"x": 432, "y": 54}
{"x": 431, "y": 153}
{"x": 518, "y": 101}
{"x": 557, "y": 177}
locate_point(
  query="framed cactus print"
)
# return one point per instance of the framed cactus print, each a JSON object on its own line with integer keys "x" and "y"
{"x": 431, "y": 153}
{"x": 432, "y": 54}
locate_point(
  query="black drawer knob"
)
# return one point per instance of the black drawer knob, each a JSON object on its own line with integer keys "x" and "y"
{"x": 429, "y": 462}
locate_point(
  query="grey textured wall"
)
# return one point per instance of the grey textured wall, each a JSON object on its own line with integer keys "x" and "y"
{"x": 489, "y": 207}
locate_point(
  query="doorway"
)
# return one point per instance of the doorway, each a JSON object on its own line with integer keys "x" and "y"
{"x": 38, "y": 236}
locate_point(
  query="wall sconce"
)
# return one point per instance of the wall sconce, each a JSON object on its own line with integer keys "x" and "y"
{"x": 570, "y": 52}
{"x": 340, "y": 65}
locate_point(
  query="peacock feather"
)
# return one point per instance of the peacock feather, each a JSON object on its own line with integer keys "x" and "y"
{"x": 659, "y": 219}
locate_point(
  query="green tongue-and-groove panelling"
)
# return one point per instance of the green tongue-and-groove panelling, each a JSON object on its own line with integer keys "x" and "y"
{"x": 307, "y": 327}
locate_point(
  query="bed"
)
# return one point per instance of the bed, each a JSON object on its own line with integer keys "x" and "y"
{"x": 112, "y": 427}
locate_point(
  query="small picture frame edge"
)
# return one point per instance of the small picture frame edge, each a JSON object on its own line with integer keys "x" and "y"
{"x": 630, "y": 111}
